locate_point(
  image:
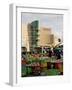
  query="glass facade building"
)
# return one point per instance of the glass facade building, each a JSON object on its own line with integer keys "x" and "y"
{"x": 33, "y": 29}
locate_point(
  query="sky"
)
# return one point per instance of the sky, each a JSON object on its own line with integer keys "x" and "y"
{"x": 53, "y": 21}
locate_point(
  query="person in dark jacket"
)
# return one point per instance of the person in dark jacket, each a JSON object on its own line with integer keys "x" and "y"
{"x": 50, "y": 53}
